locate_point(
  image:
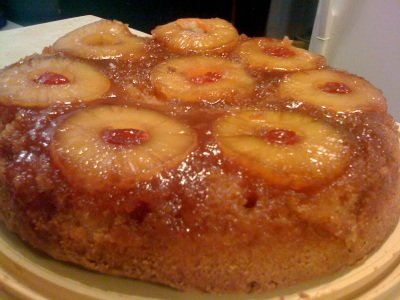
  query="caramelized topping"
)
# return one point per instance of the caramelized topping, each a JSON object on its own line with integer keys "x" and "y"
{"x": 279, "y": 52}
{"x": 140, "y": 212}
{"x": 251, "y": 200}
{"x": 125, "y": 137}
{"x": 281, "y": 137}
{"x": 208, "y": 77}
{"x": 51, "y": 78}
{"x": 335, "y": 88}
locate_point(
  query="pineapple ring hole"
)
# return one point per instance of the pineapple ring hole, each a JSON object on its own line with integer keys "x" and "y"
{"x": 193, "y": 25}
{"x": 101, "y": 39}
{"x": 125, "y": 136}
{"x": 207, "y": 77}
{"x": 280, "y": 136}
{"x": 278, "y": 51}
{"x": 335, "y": 88}
{"x": 53, "y": 77}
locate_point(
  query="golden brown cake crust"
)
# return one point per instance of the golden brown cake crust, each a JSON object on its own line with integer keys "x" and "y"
{"x": 209, "y": 223}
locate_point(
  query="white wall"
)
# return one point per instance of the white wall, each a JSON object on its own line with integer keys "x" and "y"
{"x": 363, "y": 37}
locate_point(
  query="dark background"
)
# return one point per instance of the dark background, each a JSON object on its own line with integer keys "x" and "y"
{"x": 248, "y": 16}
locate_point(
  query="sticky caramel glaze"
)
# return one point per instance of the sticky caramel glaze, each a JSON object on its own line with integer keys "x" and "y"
{"x": 207, "y": 224}
{"x": 204, "y": 203}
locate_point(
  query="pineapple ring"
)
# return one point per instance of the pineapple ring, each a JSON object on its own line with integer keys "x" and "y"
{"x": 199, "y": 78}
{"x": 287, "y": 149}
{"x": 277, "y": 55}
{"x": 96, "y": 148}
{"x": 335, "y": 90}
{"x": 191, "y": 35}
{"x": 103, "y": 39}
{"x": 43, "y": 81}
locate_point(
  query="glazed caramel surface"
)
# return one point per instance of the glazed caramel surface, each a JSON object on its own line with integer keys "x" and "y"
{"x": 207, "y": 191}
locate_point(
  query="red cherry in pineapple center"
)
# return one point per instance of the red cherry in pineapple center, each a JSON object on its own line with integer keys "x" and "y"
{"x": 51, "y": 78}
{"x": 208, "y": 77}
{"x": 279, "y": 52}
{"x": 125, "y": 137}
{"x": 281, "y": 137}
{"x": 335, "y": 88}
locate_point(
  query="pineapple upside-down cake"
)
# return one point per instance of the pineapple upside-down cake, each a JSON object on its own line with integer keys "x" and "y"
{"x": 197, "y": 158}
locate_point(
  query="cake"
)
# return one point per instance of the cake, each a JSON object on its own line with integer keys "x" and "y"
{"x": 197, "y": 158}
